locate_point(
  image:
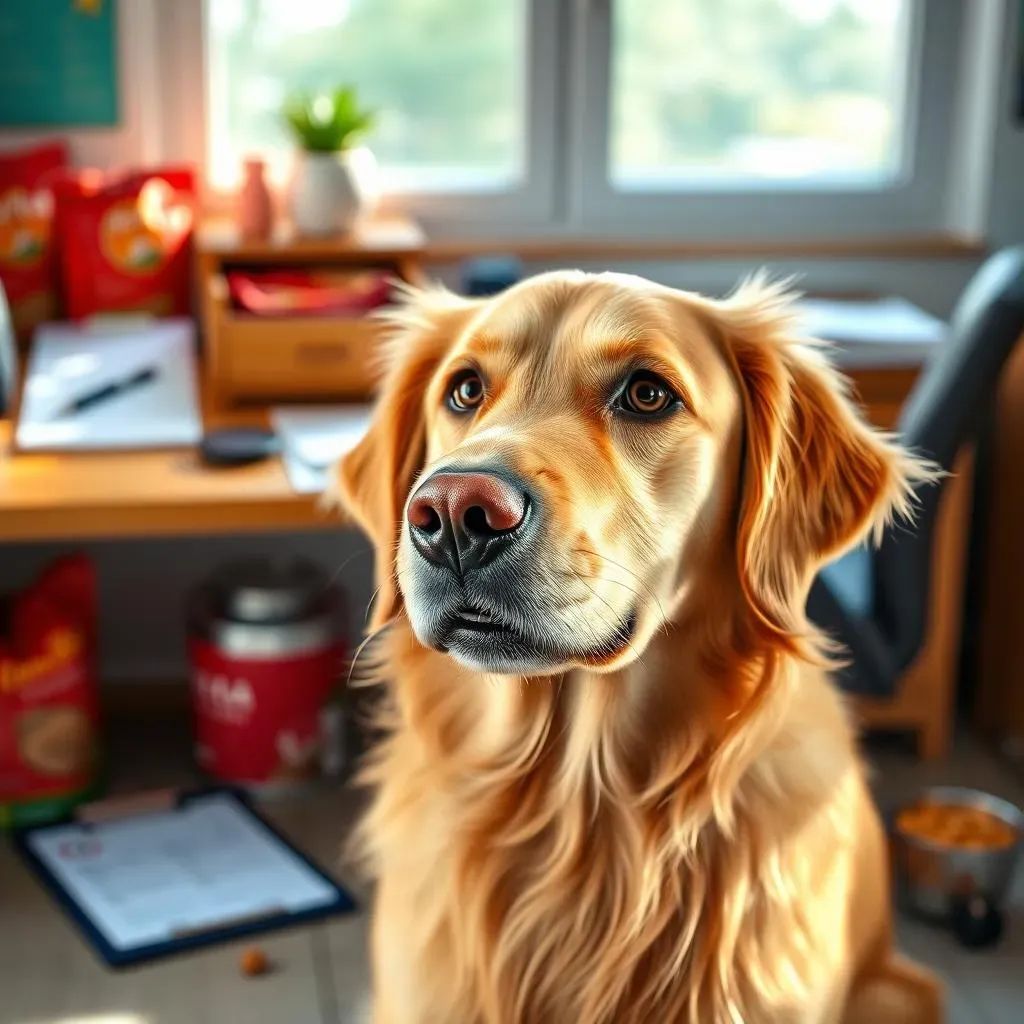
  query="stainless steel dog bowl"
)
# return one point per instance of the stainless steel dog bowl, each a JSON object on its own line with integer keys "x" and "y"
{"x": 930, "y": 878}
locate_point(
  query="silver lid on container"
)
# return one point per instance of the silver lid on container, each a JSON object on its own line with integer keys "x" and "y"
{"x": 265, "y": 610}
{"x": 265, "y": 591}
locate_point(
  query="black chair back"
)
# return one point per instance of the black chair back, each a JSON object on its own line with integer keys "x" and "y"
{"x": 942, "y": 413}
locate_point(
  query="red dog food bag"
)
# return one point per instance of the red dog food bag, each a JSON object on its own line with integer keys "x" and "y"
{"x": 28, "y": 261}
{"x": 49, "y": 714}
{"x": 126, "y": 244}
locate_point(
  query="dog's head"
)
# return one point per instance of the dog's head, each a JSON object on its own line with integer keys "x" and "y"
{"x": 554, "y": 473}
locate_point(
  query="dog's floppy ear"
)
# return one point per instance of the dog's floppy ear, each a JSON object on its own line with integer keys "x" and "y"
{"x": 374, "y": 479}
{"x": 816, "y": 478}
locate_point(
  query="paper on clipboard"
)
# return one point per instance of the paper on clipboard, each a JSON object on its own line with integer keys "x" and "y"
{"x": 153, "y": 878}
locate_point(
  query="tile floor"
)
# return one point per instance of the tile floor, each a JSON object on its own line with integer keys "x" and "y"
{"x": 48, "y": 976}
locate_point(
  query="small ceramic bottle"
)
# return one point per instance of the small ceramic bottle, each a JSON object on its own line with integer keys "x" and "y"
{"x": 255, "y": 205}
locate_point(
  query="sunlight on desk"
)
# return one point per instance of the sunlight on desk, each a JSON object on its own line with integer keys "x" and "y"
{"x": 95, "y": 1018}
{"x": 126, "y": 494}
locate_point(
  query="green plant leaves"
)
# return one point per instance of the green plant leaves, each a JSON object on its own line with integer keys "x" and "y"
{"x": 328, "y": 122}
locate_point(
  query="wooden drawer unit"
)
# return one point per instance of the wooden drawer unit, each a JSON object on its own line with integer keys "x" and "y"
{"x": 267, "y": 359}
{"x": 256, "y": 357}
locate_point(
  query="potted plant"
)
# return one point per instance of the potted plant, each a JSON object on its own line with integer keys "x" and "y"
{"x": 327, "y": 194}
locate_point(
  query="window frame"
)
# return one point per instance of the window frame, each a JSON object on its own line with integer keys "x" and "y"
{"x": 567, "y": 191}
{"x": 914, "y": 202}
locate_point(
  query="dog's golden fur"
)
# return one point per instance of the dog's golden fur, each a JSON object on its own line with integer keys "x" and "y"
{"x": 680, "y": 831}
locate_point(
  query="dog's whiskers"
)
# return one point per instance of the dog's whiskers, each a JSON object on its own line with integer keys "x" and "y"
{"x": 599, "y": 641}
{"x": 373, "y": 635}
{"x": 648, "y": 589}
{"x": 662, "y": 624}
{"x": 603, "y": 600}
{"x": 369, "y": 604}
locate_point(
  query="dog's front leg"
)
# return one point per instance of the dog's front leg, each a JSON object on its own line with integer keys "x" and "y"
{"x": 388, "y": 979}
{"x": 896, "y": 992}
{"x": 410, "y": 964}
{"x": 380, "y": 1013}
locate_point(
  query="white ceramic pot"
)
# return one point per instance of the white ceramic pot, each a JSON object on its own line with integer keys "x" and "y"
{"x": 326, "y": 192}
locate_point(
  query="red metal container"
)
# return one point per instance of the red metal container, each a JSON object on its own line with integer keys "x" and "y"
{"x": 266, "y": 649}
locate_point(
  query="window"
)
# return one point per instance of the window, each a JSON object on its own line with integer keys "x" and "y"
{"x": 719, "y": 119}
{"x": 757, "y": 91}
{"x": 765, "y": 119}
{"x": 448, "y": 79}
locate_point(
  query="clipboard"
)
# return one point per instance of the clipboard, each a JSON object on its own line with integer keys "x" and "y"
{"x": 95, "y": 867}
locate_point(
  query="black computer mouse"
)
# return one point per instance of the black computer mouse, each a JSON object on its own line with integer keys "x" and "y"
{"x": 238, "y": 446}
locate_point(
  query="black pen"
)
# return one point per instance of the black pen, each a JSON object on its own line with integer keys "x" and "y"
{"x": 108, "y": 391}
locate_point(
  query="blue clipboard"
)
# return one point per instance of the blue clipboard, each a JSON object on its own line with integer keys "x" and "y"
{"x": 114, "y": 956}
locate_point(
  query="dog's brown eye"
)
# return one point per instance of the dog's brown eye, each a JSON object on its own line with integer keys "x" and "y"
{"x": 467, "y": 392}
{"x": 646, "y": 395}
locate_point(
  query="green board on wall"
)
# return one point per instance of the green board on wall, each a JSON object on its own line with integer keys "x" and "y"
{"x": 58, "y": 63}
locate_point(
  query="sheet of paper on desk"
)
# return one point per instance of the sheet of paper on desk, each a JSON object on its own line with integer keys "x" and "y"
{"x": 313, "y": 439}
{"x": 887, "y": 330}
{"x": 147, "y": 879}
{"x": 68, "y": 361}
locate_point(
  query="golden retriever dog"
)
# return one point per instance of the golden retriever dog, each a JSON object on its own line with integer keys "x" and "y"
{"x": 618, "y": 786}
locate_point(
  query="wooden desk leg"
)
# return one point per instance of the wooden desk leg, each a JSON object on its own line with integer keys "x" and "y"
{"x": 924, "y": 701}
{"x": 949, "y": 559}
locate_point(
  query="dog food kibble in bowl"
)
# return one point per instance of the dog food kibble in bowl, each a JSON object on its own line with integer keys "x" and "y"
{"x": 956, "y": 826}
{"x": 952, "y": 844}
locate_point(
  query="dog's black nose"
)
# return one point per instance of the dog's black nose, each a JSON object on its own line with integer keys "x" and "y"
{"x": 464, "y": 520}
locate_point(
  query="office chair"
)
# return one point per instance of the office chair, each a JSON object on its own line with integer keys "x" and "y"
{"x": 894, "y": 608}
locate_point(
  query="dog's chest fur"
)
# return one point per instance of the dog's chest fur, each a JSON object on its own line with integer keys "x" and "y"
{"x": 535, "y": 880}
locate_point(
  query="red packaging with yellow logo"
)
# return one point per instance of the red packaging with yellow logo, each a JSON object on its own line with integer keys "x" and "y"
{"x": 126, "y": 243}
{"x": 49, "y": 713}
{"x": 28, "y": 261}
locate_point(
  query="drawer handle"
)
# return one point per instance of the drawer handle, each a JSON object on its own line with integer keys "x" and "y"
{"x": 322, "y": 352}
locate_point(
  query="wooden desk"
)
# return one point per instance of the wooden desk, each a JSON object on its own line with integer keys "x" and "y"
{"x": 115, "y": 495}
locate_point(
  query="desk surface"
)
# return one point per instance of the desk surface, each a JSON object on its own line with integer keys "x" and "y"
{"x": 153, "y": 493}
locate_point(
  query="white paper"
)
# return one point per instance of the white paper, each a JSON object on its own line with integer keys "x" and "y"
{"x": 304, "y": 479}
{"x": 314, "y": 438}
{"x": 147, "y": 879}
{"x": 873, "y": 331}
{"x": 68, "y": 362}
